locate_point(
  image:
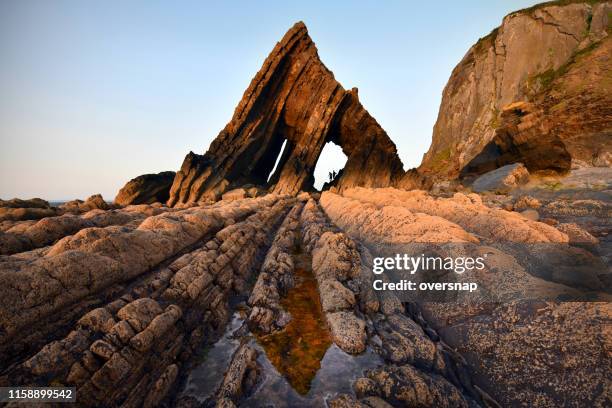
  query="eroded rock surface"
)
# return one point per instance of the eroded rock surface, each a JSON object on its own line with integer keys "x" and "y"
{"x": 276, "y": 277}
{"x": 493, "y": 340}
{"x": 502, "y": 180}
{"x": 240, "y": 377}
{"x": 30, "y": 235}
{"x": 19, "y": 210}
{"x": 336, "y": 266}
{"x": 467, "y": 211}
{"x": 94, "y": 202}
{"x": 117, "y": 311}
{"x": 123, "y": 311}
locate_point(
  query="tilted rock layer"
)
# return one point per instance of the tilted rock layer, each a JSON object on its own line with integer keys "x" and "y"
{"x": 554, "y": 60}
{"x": 115, "y": 311}
{"x": 536, "y": 91}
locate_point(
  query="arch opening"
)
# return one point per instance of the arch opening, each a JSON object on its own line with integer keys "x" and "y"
{"x": 329, "y": 166}
{"x": 278, "y": 159}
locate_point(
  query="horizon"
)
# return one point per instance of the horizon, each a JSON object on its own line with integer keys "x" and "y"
{"x": 98, "y": 94}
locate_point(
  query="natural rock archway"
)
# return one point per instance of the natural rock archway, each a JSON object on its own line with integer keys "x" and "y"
{"x": 294, "y": 97}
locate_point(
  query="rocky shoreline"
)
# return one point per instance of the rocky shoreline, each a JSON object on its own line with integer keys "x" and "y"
{"x": 223, "y": 285}
{"x": 159, "y": 288}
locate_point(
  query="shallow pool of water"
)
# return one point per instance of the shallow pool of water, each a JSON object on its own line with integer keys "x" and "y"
{"x": 205, "y": 378}
{"x": 336, "y": 375}
{"x": 301, "y": 367}
{"x": 297, "y": 350}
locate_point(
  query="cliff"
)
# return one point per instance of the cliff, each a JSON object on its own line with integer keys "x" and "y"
{"x": 537, "y": 89}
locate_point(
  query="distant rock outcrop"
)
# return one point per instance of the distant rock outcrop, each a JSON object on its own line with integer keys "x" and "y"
{"x": 94, "y": 202}
{"x": 295, "y": 99}
{"x": 17, "y": 209}
{"x": 536, "y": 90}
{"x": 146, "y": 189}
{"x": 19, "y": 203}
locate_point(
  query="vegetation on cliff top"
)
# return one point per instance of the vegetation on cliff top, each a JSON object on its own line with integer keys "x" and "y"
{"x": 554, "y": 3}
{"x": 483, "y": 43}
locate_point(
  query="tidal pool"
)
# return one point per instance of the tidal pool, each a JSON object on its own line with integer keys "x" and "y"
{"x": 335, "y": 376}
{"x": 205, "y": 378}
{"x": 301, "y": 367}
{"x": 297, "y": 350}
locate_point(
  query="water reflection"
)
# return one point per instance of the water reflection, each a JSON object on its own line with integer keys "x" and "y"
{"x": 336, "y": 375}
{"x": 301, "y": 367}
{"x": 205, "y": 378}
{"x": 297, "y": 350}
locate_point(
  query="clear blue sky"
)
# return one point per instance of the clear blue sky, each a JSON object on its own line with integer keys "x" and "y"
{"x": 94, "y": 93}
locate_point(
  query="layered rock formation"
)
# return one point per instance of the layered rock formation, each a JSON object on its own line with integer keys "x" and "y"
{"x": 116, "y": 310}
{"x": 29, "y": 224}
{"x": 121, "y": 308}
{"x": 146, "y": 189}
{"x": 536, "y": 90}
{"x": 16, "y": 209}
{"x": 94, "y": 202}
{"x": 295, "y": 99}
{"x": 35, "y": 234}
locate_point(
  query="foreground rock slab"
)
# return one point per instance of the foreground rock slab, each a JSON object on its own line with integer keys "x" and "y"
{"x": 493, "y": 339}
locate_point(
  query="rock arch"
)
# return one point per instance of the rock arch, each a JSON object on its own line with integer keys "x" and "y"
{"x": 293, "y": 97}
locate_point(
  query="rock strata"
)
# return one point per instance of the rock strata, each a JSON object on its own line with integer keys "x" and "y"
{"x": 336, "y": 265}
{"x": 241, "y": 376}
{"x": 123, "y": 311}
{"x": 31, "y": 235}
{"x": 125, "y": 343}
{"x": 275, "y": 278}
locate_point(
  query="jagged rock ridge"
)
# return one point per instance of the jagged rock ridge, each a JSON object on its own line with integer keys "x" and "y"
{"x": 293, "y": 98}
